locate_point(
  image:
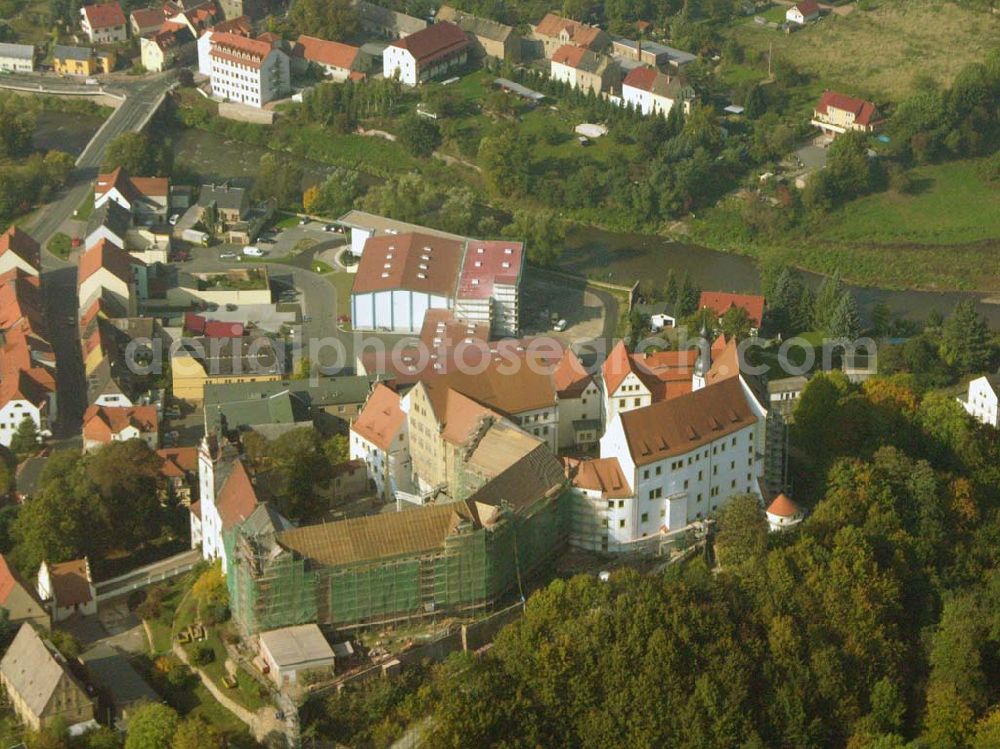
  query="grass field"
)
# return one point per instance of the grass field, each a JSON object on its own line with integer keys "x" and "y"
{"x": 953, "y": 205}
{"x": 882, "y": 52}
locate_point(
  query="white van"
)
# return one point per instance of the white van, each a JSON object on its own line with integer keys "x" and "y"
{"x": 252, "y": 251}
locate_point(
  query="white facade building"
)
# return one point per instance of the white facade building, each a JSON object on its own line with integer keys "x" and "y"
{"x": 104, "y": 23}
{"x": 247, "y": 71}
{"x": 17, "y": 58}
{"x": 651, "y": 92}
{"x": 379, "y": 437}
{"x": 17, "y": 409}
{"x": 982, "y": 402}
{"x": 426, "y": 54}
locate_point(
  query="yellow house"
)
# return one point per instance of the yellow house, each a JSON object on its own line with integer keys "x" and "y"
{"x": 81, "y": 60}
{"x": 221, "y": 361}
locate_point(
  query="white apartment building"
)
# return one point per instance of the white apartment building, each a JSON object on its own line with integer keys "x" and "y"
{"x": 426, "y": 54}
{"x": 26, "y": 398}
{"x": 579, "y": 405}
{"x": 982, "y": 402}
{"x": 104, "y": 23}
{"x": 651, "y": 92}
{"x": 379, "y": 437}
{"x": 488, "y": 287}
{"x": 247, "y": 71}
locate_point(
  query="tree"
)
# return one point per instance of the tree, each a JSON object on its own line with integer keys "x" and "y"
{"x": 301, "y": 465}
{"x": 742, "y": 535}
{"x": 845, "y": 321}
{"x": 419, "y": 135}
{"x": 328, "y": 19}
{"x": 26, "y": 438}
{"x": 736, "y": 323}
{"x": 210, "y": 587}
{"x": 279, "y": 179}
{"x": 152, "y": 726}
{"x": 137, "y": 154}
{"x": 831, "y": 289}
{"x": 127, "y": 478}
{"x": 337, "y": 449}
{"x": 965, "y": 342}
{"x": 195, "y": 733}
{"x": 505, "y": 158}
{"x": 542, "y": 232}
{"x": 335, "y": 195}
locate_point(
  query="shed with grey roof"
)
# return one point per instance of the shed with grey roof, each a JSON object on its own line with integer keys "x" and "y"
{"x": 18, "y": 58}
{"x": 63, "y": 52}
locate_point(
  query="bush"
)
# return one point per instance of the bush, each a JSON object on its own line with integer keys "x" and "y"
{"x": 180, "y": 677}
{"x": 203, "y": 654}
{"x": 215, "y": 613}
{"x": 60, "y": 245}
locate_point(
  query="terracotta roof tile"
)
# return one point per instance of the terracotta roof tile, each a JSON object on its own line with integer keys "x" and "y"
{"x": 71, "y": 582}
{"x": 104, "y": 16}
{"x": 488, "y": 263}
{"x": 865, "y": 112}
{"x": 334, "y": 54}
{"x": 436, "y": 41}
{"x": 418, "y": 262}
{"x": 381, "y": 418}
{"x": 783, "y": 507}
{"x": 720, "y": 302}
{"x": 102, "y": 423}
{"x": 21, "y": 244}
{"x": 603, "y": 475}
{"x": 237, "y": 497}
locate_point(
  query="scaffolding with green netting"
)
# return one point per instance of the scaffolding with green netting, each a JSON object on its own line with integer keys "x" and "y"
{"x": 473, "y": 569}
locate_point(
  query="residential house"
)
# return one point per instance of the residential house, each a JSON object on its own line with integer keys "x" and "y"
{"x": 81, "y": 60}
{"x": 583, "y": 69}
{"x": 338, "y": 61}
{"x": 490, "y": 38}
{"x": 636, "y": 380}
{"x": 783, "y": 513}
{"x": 660, "y": 314}
{"x": 291, "y": 653}
{"x": 104, "y": 23}
{"x": 180, "y": 469}
{"x": 388, "y": 24}
{"x": 837, "y": 113}
{"x": 599, "y": 486}
{"x": 40, "y": 686}
{"x": 379, "y": 437}
{"x": 105, "y": 424}
{"x": 983, "y": 399}
{"x": 426, "y": 54}
{"x": 201, "y": 361}
{"x": 651, "y": 92}
{"x": 146, "y": 198}
{"x": 579, "y": 403}
{"x": 363, "y": 226}
{"x": 145, "y": 21}
{"x": 654, "y": 54}
{"x": 803, "y": 12}
{"x": 108, "y": 344}
{"x": 67, "y": 588}
{"x": 720, "y": 302}
{"x": 239, "y": 25}
{"x": 109, "y": 221}
{"x": 683, "y": 459}
{"x": 230, "y": 204}
{"x": 197, "y": 19}
{"x": 28, "y": 393}
{"x": 19, "y": 250}
{"x": 119, "y": 687}
{"x": 247, "y": 71}
{"x": 19, "y": 600}
{"x": 17, "y": 58}
{"x": 784, "y": 394}
{"x": 106, "y": 270}
{"x": 402, "y": 277}
{"x": 172, "y": 44}
{"x": 554, "y": 32}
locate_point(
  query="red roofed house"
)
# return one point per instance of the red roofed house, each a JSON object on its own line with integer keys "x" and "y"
{"x": 554, "y": 31}
{"x": 247, "y": 71}
{"x": 67, "y": 588}
{"x": 104, "y": 24}
{"x": 803, "y": 12}
{"x": 146, "y": 20}
{"x": 19, "y": 599}
{"x": 426, "y": 54}
{"x": 600, "y": 486}
{"x": 783, "y": 513}
{"x": 240, "y": 26}
{"x": 339, "y": 61}
{"x": 634, "y": 381}
{"x": 838, "y": 113}
{"x": 172, "y": 43}
{"x": 651, "y": 92}
{"x": 19, "y": 250}
{"x": 720, "y": 303}
{"x": 584, "y": 69}
{"x": 106, "y": 269}
{"x": 148, "y": 198}
{"x": 180, "y": 469}
{"x": 379, "y": 437}
{"x": 105, "y": 424}
{"x": 578, "y": 403}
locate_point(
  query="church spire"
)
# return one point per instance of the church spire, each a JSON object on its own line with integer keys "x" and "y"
{"x": 704, "y": 361}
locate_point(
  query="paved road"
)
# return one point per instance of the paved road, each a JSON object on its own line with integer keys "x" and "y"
{"x": 59, "y": 277}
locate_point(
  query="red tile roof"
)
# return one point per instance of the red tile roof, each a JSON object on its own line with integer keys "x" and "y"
{"x": 136, "y": 187}
{"x": 436, "y": 41}
{"x": 487, "y": 264}
{"x": 783, "y": 507}
{"x": 239, "y": 25}
{"x": 666, "y": 374}
{"x": 603, "y": 475}
{"x": 641, "y": 78}
{"x": 418, "y": 262}
{"x": 381, "y": 418}
{"x": 323, "y": 52}
{"x": 147, "y": 18}
{"x": 21, "y": 244}
{"x": 106, "y": 15}
{"x": 9, "y": 579}
{"x": 71, "y": 582}
{"x": 569, "y": 55}
{"x": 720, "y": 302}
{"x": 864, "y": 111}
{"x": 683, "y": 424}
{"x": 570, "y": 376}
{"x": 237, "y": 498}
{"x": 178, "y": 462}
{"x": 807, "y": 7}
{"x": 218, "y": 329}
{"x": 106, "y": 255}
{"x": 20, "y": 300}
{"x": 580, "y": 34}
{"x": 103, "y": 423}
{"x": 239, "y": 49}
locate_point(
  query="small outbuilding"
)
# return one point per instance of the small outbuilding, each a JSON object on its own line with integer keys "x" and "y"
{"x": 783, "y": 513}
{"x": 290, "y": 652}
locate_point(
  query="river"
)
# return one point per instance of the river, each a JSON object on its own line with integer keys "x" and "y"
{"x": 617, "y": 257}
{"x": 69, "y": 132}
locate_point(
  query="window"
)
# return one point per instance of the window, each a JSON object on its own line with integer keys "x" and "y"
{"x": 699, "y": 497}
{"x": 636, "y": 401}
{"x": 700, "y": 477}
{"x": 604, "y": 522}
{"x": 611, "y": 504}
{"x": 621, "y": 503}
{"x": 734, "y": 440}
{"x": 659, "y": 470}
{"x": 645, "y": 517}
{"x": 685, "y": 483}
{"x": 732, "y": 484}
{"x": 645, "y": 474}
{"x": 621, "y": 523}
{"x": 732, "y": 464}
{"x": 663, "y": 513}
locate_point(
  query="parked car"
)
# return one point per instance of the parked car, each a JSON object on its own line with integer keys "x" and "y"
{"x": 212, "y": 307}
{"x": 231, "y": 307}
{"x": 70, "y": 320}
{"x": 303, "y": 221}
{"x": 174, "y": 219}
{"x": 228, "y": 256}
{"x": 329, "y": 227}
{"x": 252, "y": 251}
{"x": 560, "y": 326}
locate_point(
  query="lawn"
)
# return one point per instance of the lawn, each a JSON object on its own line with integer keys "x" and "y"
{"x": 342, "y": 283}
{"x": 883, "y": 52}
{"x": 775, "y": 14}
{"x": 952, "y": 205}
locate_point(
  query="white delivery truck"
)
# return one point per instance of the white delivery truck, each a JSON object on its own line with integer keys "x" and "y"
{"x": 195, "y": 237}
